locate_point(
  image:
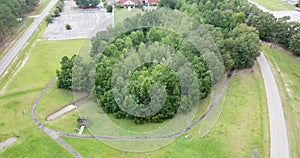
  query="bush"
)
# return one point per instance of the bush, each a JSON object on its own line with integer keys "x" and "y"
{"x": 68, "y": 27}
{"x": 56, "y": 12}
{"x": 104, "y": 3}
{"x": 109, "y": 8}
{"x": 139, "y": 6}
{"x": 60, "y": 6}
{"x": 119, "y": 6}
{"x": 49, "y": 19}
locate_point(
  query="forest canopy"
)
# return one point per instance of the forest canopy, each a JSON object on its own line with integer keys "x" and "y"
{"x": 233, "y": 45}
{"x": 10, "y": 10}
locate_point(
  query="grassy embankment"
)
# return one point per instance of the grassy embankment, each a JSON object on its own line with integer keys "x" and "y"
{"x": 19, "y": 30}
{"x": 18, "y": 90}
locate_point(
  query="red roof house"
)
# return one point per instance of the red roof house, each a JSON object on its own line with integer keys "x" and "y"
{"x": 133, "y": 3}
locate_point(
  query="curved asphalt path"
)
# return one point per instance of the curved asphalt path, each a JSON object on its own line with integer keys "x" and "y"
{"x": 278, "y": 134}
{"x": 55, "y": 134}
{"x": 20, "y": 43}
{"x": 279, "y": 147}
{"x": 52, "y": 133}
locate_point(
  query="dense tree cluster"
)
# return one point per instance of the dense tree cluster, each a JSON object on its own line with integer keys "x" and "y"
{"x": 10, "y": 10}
{"x": 239, "y": 44}
{"x": 271, "y": 29}
{"x": 147, "y": 42}
{"x": 87, "y": 3}
{"x": 226, "y": 21}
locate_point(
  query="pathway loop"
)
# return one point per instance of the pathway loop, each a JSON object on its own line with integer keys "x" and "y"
{"x": 51, "y": 132}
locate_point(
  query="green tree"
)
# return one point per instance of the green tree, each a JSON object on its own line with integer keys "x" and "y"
{"x": 244, "y": 46}
{"x": 167, "y": 3}
{"x": 49, "y": 19}
{"x": 64, "y": 75}
{"x": 295, "y": 43}
{"x": 7, "y": 18}
{"x": 265, "y": 23}
{"x": 109, "y": 8}
{"x": 87, "y": 3}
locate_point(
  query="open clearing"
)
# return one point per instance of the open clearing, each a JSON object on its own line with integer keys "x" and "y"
{"x": 22, "y": 90}
{"x": 123, "y": 13}
{"x": 275, "y": 5}
{"x": 286, "y": 68}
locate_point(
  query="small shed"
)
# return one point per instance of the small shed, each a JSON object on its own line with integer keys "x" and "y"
{"x": 129, "y": 4}
{"x": 83, "y": 121}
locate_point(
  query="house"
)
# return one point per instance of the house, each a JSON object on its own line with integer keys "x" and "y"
{"x": 133, "y": 3}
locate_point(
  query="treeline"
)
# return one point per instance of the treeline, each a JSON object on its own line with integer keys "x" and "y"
{"x": 56, "y": 13}
{"x": 276, "y": 30}
{"x": 87, "y": 3}
{"x": 225, "y": 15}
{"x": 226, "y": 21}
{"x": 10, "y": 10}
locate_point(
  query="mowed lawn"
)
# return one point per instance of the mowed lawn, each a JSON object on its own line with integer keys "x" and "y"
{"x": 40, "y": 7}
{"x": 241, "y": 131}
{"x": 275, "y": 5}
{"x": 122, "y": 14}
{"x": 287, "y": 71}
{"x": 43, "y": 59}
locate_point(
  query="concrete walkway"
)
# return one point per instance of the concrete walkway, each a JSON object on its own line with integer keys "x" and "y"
{"x": 8, "y": 142}
{"x": 61, "y": 112}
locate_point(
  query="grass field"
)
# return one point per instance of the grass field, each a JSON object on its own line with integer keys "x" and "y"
{"x": 286, "y": 68}
{"x": 40, "y": 7}
{"x": 122, "y": 14}
{"x": 241, "y": 131}
{"x": 275, "y": 5}
{"x": 21, "y": 90}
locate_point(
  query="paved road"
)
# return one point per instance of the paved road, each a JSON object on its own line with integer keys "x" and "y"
{"x": 52, "y": 133}
{"x": 279, "y": 147}
{"x": 20, "y": 43}
{"x": 295, "y": 15}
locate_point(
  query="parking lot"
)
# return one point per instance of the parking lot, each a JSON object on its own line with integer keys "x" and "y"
{"x": 295, "y": 15}
{"x": 85, "y": 23}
